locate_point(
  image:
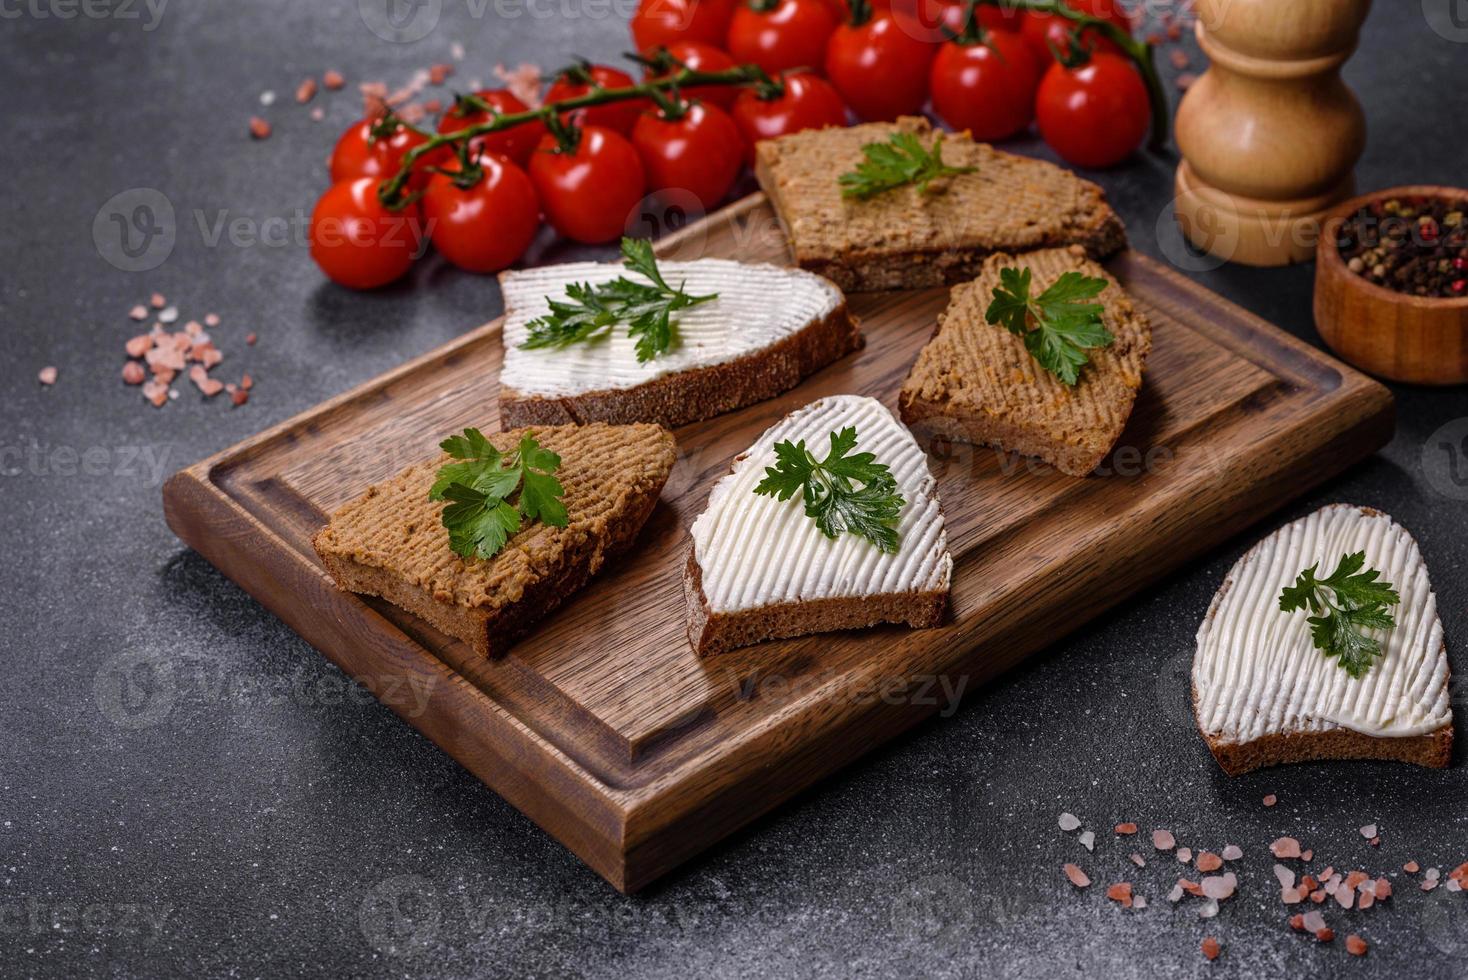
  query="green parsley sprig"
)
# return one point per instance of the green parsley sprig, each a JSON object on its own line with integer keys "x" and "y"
{"x": 1347, "y": 605}
{"x": 646, "y": 309}
{"x": 900, "y": 161}
{"x": 1057, "y": 326}
{"x": 829, "y": 489}
{"x": 480, "y": 517}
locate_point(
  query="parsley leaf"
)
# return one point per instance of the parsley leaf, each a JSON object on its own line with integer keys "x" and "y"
{"x": 479, "y": 516}
{"x": 900, "y": 161}
{"x": 1064, "y": 328}
{"x": 1340, "y": 626}
{"x": 592, "y": 310}
{"x": 828, "y": 491}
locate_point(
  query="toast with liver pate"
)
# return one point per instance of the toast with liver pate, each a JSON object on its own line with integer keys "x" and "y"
{"x": 390, "y": 542}
{"x": 906, "y": 238}
{"x": 975, "y": 382}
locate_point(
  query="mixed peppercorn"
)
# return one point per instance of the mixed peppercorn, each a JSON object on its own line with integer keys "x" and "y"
{"x": 1414, "y": 245}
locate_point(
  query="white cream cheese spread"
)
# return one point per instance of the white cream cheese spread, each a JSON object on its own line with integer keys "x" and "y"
{"x": 1256, "y": 671}
{"x": 757, "y": 306}
{"x": 755, "y": 551}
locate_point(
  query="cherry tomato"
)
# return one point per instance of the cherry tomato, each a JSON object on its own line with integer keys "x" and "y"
{"x": 360, "y": 153}
{"x": 588, "y": 194}
{"x": 517, "y": 143}
{"x": 952, "y": 13}
{"x": 658, "y": 22}
{"x": 664, "y": 61}
{"x": 582, "y": 78}
{"x": 880, "y": 70}
{"x": 699, "y": 151}
{"x": 358, "y": 241}
{"x": 1043, "y": 30}
{"x": 804, "y": 102}
{"x": 1094, "y": 115}
{"x": 987, "y": 87}
{"x": 779, "y": 35}
{"x": 488, "y": 225}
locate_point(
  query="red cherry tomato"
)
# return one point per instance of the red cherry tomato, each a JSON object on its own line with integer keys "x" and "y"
{"x": 806, "y": 102}
{"x": 658, "y": 22}
{"x": 360, "y": 153}
{"x": 357, "y": 241}
{"x": 988, "y": 87}
{"x": 779, "y": 35}
{"x": 700, "y": 57}
{"x": 1094, "y": 115}
{"x": 700, "y": 151}
{"x": 582, "y": 78}
{"x": 488, "y": 225}
{"x": 1043, "y": 30}
{"x": 588, "y": 194}
{"x": 952, "y": 13}
{"x": 880, "y": 70}
{"x": 517, "y": 143}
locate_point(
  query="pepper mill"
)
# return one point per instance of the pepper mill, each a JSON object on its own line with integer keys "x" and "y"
{"x": 1269, "y": 134}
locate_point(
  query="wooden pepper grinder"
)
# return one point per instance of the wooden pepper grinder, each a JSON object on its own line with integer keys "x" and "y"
{"x": 1269, "y": 134}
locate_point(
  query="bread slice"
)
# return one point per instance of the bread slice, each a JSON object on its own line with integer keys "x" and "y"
{"x": 1263, "y": 695}
{"x": 759, "y": 568}
{"x": 975, "y": 382}
{"x": 907, "y": 239}
{"x": 769, "y": 328}
{"x": 390, "y": 542}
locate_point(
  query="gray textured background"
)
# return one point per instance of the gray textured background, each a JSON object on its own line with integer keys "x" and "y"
{"x": 262, "y": 816}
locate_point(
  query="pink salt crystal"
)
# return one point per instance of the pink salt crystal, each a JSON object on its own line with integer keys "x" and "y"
{"x": 155, "y": 392}
{"x": 1217, "y": 886}
{"x": 211, "y": 387}
{"x": 1429, "y": 884}
{"x": 47, "y": 375}
{"x": 1314, "y": 921}
{"x": 1291, "y": 896}
{"x": 1184, "y": 854}
{"x": 133, "y": 373}
{"x": 1345, "y": 897}
{"x": 1139, "y": 902}
{"x": 157, "y": 301}
{"x": 1285, "y": 875}
{"x": 138, "y": 312}
{"x": 1138, "y": 860}
{"x": 211, "y": 319}
{"x": 139, "y": 345}
{"x": 1454, "y": 885}
{"x": 1076, "y": 875}
{"x": 1383, "y": 889}
{"x": 1162, "y": 840}
{"x": 1271, "y": 800}
{"x": 1366, "y": 900}
{"x": 1307, "y": 855}
{"x": 1232, "y": 852}
{"x": 1285, "y": 847}
{"x": 1368, "y": 831}
{"x": 1176, "y": 894}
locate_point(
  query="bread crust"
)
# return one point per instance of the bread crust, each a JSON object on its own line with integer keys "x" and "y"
{"x": 712, "y": 633}
{"x": 700, "y": 393}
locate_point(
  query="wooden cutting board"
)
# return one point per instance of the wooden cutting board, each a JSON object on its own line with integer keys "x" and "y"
{"x": 605, "y": 729}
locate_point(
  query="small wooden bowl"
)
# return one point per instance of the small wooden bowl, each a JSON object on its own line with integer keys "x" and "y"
{"x": 1417, "y": 339}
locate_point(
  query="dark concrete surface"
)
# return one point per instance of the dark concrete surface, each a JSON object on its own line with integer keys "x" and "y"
{"x": 186, "y": 788}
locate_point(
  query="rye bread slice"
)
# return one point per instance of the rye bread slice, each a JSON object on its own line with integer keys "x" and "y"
{"x": 975, "y": 382}
{"x": 907, "y": 239}
{"x": 770, "y": 328}
{"x": 759, "y": 569}
{"x": 390, "y": 542}
{"x": 1263, "y": 695}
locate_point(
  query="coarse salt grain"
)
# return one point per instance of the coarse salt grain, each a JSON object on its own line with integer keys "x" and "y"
{"x": 306, "y": 91}
{"x": 267, "y": 98}
{"x": 1076, "y": 875}
{"x": 1208, "y": 909}
{"x": 157, "y": 301}
{"x": 1211, "y": 948}
{"x": 1314, "y": 921}
{"x": 1285, "y": 875}
{"x": 138, "y": 312}
{"x": 1217, "y": 887}
{"x": 1069, "y": 822}
{"x": 1232, "y": 852}
{"x": 259, "y": 128}
{"x": 1184, "y": 855}
{"x": 1120, "y": 892}
{"x": 1163, "y": 840}
{"x": 1355, "y": 945}
{"x": 47, "y": 375}
{"x": 333, "y": 80}
{"x": 1138, "y": 860}
{"x": 133, "y": 373}
{"x": 1271, "y": 800}
{"x": 1208, "y": 861}
{"x": 1126, "y": 829}
{"x": 1368, "y": 831}
{"x": 1088, "y": 839}
{"x": 1285, "y": 847}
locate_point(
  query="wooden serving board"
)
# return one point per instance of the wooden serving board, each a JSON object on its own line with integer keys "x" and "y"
{"x": 602, "y": 725}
